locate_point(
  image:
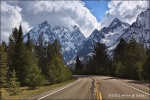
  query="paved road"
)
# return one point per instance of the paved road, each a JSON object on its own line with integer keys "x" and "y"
{"x": 109, "y": 87}
{"x": 113, "y": 88}
{"x": 82, "y": 88}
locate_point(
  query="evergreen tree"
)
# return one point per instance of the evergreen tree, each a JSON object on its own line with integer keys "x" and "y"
{"x": 34, "y": 77}
{"x": 56, "y": 46}
{"x": 18, "y": 55}
{"x": 42, "y": 54}
{"x": 66, "y": 74}
{"x": 5, "y": 46}
{"x": 78, "y": 66}
{"x": 89, "y": 68}
{"x": 55, "y": 69}
{"x": 11, "y": 49}
{"x": 119, "y": 69}
{"x": 120, "y": 50}
{"x": 134, "y": 53}
{"x": 57, "y": 72}
{"x": 13, "y": 85}
{"x": 20, "y": 61}
{"x": 146, "y": 66}
{"x": 3, "y": 67}
{"x": 28, "y": 43}
{"x": 100, "y": 58}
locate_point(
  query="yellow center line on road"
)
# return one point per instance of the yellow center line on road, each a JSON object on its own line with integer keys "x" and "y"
{"x": 98, "y": 94}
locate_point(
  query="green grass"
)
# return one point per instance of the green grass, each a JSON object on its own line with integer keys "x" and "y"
{"x": 26, "y": 92}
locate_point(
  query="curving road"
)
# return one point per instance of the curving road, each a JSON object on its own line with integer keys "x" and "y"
{"x": 108, "y": 87}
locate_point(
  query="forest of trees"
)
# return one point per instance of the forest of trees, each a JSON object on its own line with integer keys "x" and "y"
{"x": 130, "y": 60}
{"x": 28, "y": 64}
{"x": 35, "y": 64}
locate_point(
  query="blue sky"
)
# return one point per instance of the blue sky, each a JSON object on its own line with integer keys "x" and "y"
{"x": 97, "y": 7}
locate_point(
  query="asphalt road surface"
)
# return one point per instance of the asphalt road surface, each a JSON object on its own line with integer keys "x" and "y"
{"x": 108, "y": 87}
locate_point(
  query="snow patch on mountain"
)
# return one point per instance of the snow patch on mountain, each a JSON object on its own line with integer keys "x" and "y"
{"x": 70, "y": 37}
{"x": 108, "y": 35}
{"x": 140, "y": 29}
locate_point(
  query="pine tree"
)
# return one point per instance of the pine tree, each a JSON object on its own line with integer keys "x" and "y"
{"x": 78, "y": 66}
{"x": 3, "y": 67}
{"x": 57, "y": 72}
{"x": 89, "y": 69}
{"x": 20, "y": 60}
{"x": 28, "y": 43}
{"x": 146, "y": 66}
{"x": 34, "y": 77}
{"x": 13, "y": 85}
{"x": 100, "y": 58}
{"x": 120, "y": 50}
{"x": 119, "y": 69}
{"x": 11, "y": 50}
{"x": 42, "y": 54}
{"x": 18, "y": 55}
{"x": 134, "y": 54}
{"x": 57, "y": 48}
{"x": 55, "y": 68}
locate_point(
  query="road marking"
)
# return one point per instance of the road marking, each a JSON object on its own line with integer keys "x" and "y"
{"x": 59, "y": 89}
{"x": 133, "y": 87}
{"x": 100, "y": 96}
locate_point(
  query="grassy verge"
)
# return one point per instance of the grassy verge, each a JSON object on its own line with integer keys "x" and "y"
{"x": 25, "y": 92}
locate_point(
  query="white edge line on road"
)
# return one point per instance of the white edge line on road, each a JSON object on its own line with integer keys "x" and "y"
{"x": 59, "y": 90}
{"x": 133, "y": 87}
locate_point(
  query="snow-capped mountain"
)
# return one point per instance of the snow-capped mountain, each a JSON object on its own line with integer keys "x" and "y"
{"x": 108, "y": 35}
{"x": 140, "y": 29}
{"x": 75, "y": 44}
{"x": 70, "y": 37}
{"x": 111, "y": 35}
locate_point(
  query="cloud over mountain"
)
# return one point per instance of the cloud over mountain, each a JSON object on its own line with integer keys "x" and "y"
{"x": 57, "y": 13}
{"x": 124, "y": 10}
{"x": 64, "y": 13}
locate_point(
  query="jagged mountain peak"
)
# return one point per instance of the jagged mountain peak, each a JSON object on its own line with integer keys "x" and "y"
{"x": 94, "y": 32}
{"x": 44, "y": 24}
{"x": 117, "y": 23}
{"x": 139, "y": 30}
{"x": 70, "y": 37}
{"x": 116, "y": 20}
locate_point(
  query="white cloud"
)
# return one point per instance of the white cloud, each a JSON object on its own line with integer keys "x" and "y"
{"x": 57, "y": 13}
{"x": 126, "y": 11}
{"x": 64, "y": 13}
{"x": 10, "y": 18}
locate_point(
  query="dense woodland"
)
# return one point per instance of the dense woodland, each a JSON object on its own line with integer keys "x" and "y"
{"x": 25, "y": 64}
{"x": 29, "y": 64}
{"x": 130, "y": 60}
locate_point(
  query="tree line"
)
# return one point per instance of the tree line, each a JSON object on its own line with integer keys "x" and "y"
{"x": 28, "y": 64}
{"x": 130, "y": 60}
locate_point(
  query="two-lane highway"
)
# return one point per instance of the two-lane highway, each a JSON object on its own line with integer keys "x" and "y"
{"x": 109, "y": 87}
{"x": 113, "y": 88}
{"x": 80, "y": 89}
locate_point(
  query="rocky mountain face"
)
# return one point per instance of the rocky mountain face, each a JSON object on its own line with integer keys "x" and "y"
{"x": 108, "y": 35}
{"x": 70, "y": 37}
{"x": 140, "y": 29}
{"x": 75, "y": 44}
{"x": 111, "y": 35}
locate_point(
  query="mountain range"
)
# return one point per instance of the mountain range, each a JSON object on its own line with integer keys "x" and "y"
{"x": 75, "y": 44}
